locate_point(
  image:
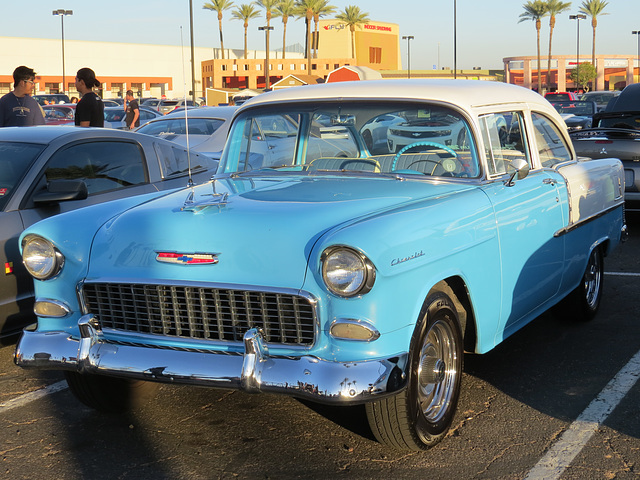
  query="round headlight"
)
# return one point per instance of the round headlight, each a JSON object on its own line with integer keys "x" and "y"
{"x": 40, "y": 257}
{"x": 347, "y": 272}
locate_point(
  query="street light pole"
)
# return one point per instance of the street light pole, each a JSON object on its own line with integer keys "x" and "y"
{"x": 637, "y": 33}
{"x": 578, "y": 18}
{"x": 266, "y": 67}
{"x": 455, "y": 40}
{"x": 62, "y": 12}
{"x": 408, "y": 38}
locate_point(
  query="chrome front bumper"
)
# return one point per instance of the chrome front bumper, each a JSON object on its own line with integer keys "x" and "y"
{"x": 253, "y": 371}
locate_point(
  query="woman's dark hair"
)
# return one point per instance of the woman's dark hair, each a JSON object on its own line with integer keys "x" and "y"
{"x": 88, "y": 76}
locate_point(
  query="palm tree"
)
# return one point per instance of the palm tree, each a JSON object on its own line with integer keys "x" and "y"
{"x": 593, "y": 8}
{"x": 219, "y": 6}
{"x": 352, "y": 16}
{"x": 535, "y": 10}
{"x": 320, "y": 9}
{"x": 245, "y": 12}
{"x": 554, "y": 7}
{"x": 268, "y": 6}
{"x": 285, "y": 9}
{"x": 304, "y": 9}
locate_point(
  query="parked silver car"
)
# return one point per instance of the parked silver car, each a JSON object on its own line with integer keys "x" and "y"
{"x": 54, "y": 169}
{"x": 114, "y": 117}
{"x": 208, "y": 128}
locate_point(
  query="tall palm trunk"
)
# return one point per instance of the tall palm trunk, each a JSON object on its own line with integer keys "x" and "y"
{"x": 309, "y": 18}
{"x": 353, "y": 40}
{"x": 220, "y": 29}
{"x": 594, "y": 24}
{"x": 284, "y": 36}
{"x": 246, "y": 25}
{"x": 552, "y": 24}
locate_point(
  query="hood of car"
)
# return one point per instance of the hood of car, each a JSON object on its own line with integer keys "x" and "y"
{"x": 258, "y": 228}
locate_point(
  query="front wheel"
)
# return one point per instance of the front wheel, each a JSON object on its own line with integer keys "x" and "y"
{"x": 420, "y": 416}
{"x": 109, "y": 394}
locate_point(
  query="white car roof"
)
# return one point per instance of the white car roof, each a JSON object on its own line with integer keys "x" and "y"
{"x": 468, "y": 94}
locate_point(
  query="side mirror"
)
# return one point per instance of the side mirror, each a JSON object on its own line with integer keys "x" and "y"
{"x": 521, "y": 168}
{"x": 62, "y": 191}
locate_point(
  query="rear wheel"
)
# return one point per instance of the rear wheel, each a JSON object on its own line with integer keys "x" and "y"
{"x": 109, "y": 394}
{"x": 584, "y": 301}
{"x": 420, "y": 416}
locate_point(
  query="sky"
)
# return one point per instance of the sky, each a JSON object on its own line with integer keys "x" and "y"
{"x": 487, "y": 30}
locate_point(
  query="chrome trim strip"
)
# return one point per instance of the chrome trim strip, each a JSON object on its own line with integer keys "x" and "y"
{"x": 306, "y": 376}
{"x": 570, "y": 228}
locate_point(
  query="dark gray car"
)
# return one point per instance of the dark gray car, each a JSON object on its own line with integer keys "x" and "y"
{"x": 49, "y": 170}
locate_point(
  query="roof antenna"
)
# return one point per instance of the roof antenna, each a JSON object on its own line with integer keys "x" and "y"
{"x": 186, "y": 109}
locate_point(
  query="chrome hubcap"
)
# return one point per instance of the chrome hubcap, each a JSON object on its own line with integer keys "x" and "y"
{"x": 438, "y": 371}
{"x": 592, "y": 279}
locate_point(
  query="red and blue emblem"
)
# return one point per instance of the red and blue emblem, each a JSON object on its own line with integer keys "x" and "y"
{"x": 187, "y": 258}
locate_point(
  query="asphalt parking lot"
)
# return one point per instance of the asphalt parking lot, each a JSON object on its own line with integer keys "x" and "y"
{"x": 517, "y": 405}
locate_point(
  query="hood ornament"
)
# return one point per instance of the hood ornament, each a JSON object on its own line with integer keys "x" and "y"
{"x": 211, "y": 200}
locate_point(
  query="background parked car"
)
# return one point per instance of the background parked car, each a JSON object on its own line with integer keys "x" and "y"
{"x": 51, "y": 98}
{"x": 553, "y": 96}
{"x": 63, "y": 114}
{"x": 49, "y": 170}
{"x": 576, "y": 114}
{"x": 114, "y": 117}
{"x": 208, "y": 128}
{"x": 601, "y": 99}
{"x": 167, "y": 106}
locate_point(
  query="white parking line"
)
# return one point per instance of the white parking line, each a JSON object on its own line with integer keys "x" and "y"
{"x": 623, "y": 274}
{"x": 31, "y": 396}
{"x": 562, "y": 453}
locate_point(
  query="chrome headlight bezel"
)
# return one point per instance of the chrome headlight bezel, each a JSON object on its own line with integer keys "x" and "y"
{"x": 347, "y": 272}
{"x": 41, "y": 258}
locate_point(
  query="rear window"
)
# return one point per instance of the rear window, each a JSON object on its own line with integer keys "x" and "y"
{"x": 177, "y": 126}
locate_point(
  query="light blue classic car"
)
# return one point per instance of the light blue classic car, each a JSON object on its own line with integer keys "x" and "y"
{"x": 313, "y": 267}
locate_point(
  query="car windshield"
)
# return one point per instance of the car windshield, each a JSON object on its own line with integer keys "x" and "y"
{"x": 15, "y": 159}
{"x": 575, "y": 108}
{"x": 375, "y": 138}
{"x": 115, "y": 115}
{"x": 177, "y": 126}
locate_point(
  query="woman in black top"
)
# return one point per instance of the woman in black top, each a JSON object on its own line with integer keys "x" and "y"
{"x": 90, "y": 109}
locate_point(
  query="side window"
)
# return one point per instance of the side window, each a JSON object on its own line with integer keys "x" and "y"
{"x": 504, "y": 140}
{"x": 549, "y": 142}
{"x": 102, "y": 165}
{"x": 174, "y": 161}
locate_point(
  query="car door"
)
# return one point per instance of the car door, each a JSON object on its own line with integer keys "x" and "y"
{"x": 528, "y": 213}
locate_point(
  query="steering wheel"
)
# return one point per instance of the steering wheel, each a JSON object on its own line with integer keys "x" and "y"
{"x": 422, "y": 144}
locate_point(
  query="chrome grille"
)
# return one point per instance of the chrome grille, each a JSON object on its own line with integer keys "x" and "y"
{"x": 201, "y": 312}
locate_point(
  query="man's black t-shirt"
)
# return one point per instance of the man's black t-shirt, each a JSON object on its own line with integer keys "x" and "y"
{"x": 19, "y": 111}
{"x": 90, "y": 108}
{"x": 131, "y": 112}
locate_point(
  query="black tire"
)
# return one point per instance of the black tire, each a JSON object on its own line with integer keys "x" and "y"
{"x": 583, "y": 303}
{"x": 368, "y": 140}
{"x": 109, "y": 394}
{"x": 420, "y": 416}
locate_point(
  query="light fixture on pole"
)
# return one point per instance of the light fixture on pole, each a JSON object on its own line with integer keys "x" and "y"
{"x": 408, "y": 38}
{"x": 62, "y": 12}
{"x": 266, "y": 67}
{"x": 578, "y": 18}
{"x": 637, "y": 33}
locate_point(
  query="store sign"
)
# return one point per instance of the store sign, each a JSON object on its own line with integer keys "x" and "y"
{"x": 338, "y": 26}
{"x": 378, "y": 28}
